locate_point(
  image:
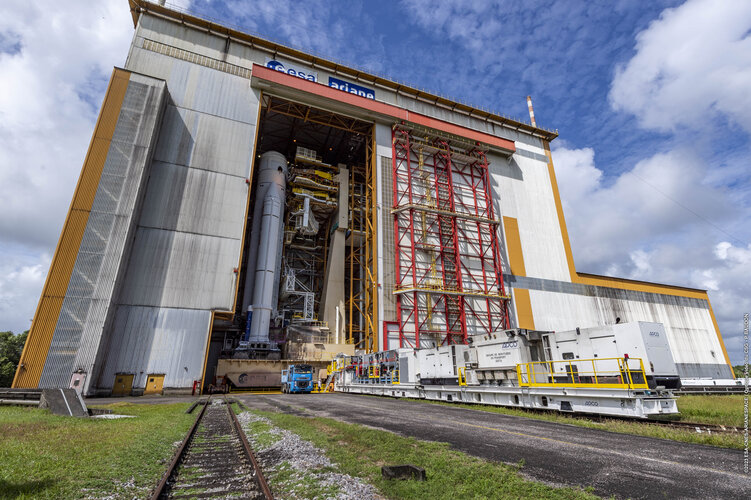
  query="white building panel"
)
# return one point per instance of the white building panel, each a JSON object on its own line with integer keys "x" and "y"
{"x": 525, "y": 192}
{"x": 179, "y": 35}
{"x": 199, "y": 88}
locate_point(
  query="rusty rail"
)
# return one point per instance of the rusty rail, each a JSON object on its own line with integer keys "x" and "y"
{"x": 259, "y": 477}
{"x": 164, "y": 487}
{"x": 179, "y": 453}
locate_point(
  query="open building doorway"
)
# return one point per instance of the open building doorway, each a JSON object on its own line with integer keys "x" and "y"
{"x": 318, "y": 304}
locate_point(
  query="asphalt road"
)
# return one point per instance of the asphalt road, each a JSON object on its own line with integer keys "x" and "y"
{"x": 620, "y": 465}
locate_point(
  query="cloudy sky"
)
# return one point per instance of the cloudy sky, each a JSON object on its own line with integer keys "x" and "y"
{"x": 651, "y": 101}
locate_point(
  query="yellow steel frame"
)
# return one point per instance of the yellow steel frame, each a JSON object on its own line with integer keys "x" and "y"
{"x": 629, "y": 378}
{"x": 462, "y": 375}
{"x": 371, "y": 247}
{"x": 363, "y": 256}
{"x": 356, "y": 299}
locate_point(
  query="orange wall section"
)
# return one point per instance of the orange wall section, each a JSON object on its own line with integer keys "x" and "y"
{"x": 34, "y": 354}
{"x": 514, "y": 246}
{"x": 525, "y": 318}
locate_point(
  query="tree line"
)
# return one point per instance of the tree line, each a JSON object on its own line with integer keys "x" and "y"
{"x": 11, "y": 346}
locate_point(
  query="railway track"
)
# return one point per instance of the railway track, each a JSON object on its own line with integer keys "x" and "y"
{"x": 699, "y": 428}
{"x": 214, "y": 460}
{"x": 675, "y": 424}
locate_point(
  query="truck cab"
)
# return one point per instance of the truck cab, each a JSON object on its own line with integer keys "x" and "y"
{"x": 297, "y": 379}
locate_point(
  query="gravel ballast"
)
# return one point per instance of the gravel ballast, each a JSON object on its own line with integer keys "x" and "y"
{"x": 305, "y": 464}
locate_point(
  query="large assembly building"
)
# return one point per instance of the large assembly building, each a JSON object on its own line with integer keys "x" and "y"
{"x": 243, "y": 204}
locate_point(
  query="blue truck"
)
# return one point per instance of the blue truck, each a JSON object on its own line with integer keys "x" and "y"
{"x": 297, "y": 379}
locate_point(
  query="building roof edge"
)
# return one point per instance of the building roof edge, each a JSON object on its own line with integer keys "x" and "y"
{"x": 137, "y": 7}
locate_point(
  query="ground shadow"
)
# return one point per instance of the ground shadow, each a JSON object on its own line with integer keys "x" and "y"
{"x": 14, "y": 489}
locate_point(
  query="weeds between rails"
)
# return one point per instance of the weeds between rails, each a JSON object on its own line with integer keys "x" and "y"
{"x": 214, "y": 458}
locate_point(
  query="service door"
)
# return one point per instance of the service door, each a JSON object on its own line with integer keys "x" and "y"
{"x": 123, "y": 384}
{"x": 154, "y": 383}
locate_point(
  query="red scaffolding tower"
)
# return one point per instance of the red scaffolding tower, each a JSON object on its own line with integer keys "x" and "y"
{"x": 449, "y": 280}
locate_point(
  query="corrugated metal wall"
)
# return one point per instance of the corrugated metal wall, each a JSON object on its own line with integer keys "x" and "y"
{"x": 184, "y": 270}
{"x": 190, "y": 228}
{"x": 388, "y": 300}
{"x": 46, "y": 317}
{"x": 157, "y": 340}
{"x": 190, "y": 231}
{"x": 103, "y": 250}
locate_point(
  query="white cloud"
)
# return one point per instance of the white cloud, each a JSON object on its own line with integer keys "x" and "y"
{"x": 691, "y": 64}
{"x": 658, "y": 222}
{"x": 657, "y": 200}
{"x": 50, "y": 92}
{"x": 314, "y": 26}
{"x": 55, "y": 62}
{"x": 21, "y": 280}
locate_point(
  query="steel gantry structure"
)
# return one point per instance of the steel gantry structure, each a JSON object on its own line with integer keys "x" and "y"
{"x": 449, "y": 280}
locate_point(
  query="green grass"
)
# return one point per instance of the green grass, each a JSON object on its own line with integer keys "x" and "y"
{"x": 262, "y": 435}
{"x": 48, "y": 456}
{"x": 361, "y": 451}
{"x": 708, "y": 409}
{"x": 725, "y": 410}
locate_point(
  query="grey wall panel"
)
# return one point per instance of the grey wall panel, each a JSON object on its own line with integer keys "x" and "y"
{"x": 389, "y": 247}
{"x": 689, "y": 328}
{"x": 205, "y": 141}
{"x": 199, "y": 88}
{"x": 157, "y": 340}
{"x": 195, "y": 201}
{"x": 704, "y": 370}
{"x": 103, "y": 252}
{"x": 184, "y": 270}
{"x": 601, "y": 291}
{"x": 177, "y": 35}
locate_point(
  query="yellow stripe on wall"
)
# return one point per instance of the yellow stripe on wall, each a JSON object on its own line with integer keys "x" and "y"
{"x": 206, "y": 354}
{"x": 524, "y": 309}
{"x": 524, "y": 315}
{"x": 514, "y": 246}
{"x": 37, "y": 345}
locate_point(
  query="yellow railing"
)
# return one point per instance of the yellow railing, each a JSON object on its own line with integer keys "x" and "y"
{"x": 606, "y": 373}
{"x": 462, "y": 376}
